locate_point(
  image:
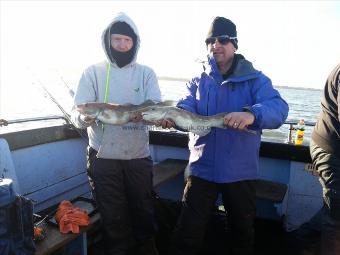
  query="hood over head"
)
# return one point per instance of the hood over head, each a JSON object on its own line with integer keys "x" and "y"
{"x": 119, "y": 23}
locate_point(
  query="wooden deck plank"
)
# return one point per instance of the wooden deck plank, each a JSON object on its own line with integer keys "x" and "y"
{"x": 55, "y": 240}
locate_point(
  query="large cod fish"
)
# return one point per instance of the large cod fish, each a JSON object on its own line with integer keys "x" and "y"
{"x": 117, "y": 114}
{"x": 187, "y": 121}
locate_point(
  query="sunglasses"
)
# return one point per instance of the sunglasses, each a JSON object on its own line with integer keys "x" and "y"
{"x": 222, "y": 39}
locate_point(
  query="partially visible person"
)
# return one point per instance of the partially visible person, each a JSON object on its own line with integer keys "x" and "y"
{"x": 225, "y": 161}
{"x": 325, "y": 153}
{"x": 119, "y": 162}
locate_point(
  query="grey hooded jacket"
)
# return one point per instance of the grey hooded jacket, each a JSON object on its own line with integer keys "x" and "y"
{"x": 134, "y": 84}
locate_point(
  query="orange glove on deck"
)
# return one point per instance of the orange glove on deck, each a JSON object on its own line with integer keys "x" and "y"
{"x": 71, "y": 218}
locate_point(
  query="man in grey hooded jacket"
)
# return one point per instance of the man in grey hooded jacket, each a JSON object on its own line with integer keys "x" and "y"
{"x": 119, "y": 163}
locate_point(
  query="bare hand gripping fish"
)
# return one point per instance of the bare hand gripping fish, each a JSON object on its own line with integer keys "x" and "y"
{"x": 184, "y": 120}
{"x": 117, "y": 114}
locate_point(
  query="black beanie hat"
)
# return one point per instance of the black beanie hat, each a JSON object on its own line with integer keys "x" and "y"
{"x": 223, "y": 26}
{"x": 123, "y": 28}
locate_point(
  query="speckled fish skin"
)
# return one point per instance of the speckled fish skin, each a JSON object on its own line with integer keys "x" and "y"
{"x": 187, "y": 121}
{"x": 117, "y": 114}
{"x": 184, "y": 120}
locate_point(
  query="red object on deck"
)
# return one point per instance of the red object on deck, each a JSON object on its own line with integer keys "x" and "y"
{"x": 71, "y": 218}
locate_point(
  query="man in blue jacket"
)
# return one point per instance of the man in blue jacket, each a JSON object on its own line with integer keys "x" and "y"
{"x": 226, "y": 161}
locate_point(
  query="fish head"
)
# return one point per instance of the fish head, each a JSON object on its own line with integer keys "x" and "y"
{"x": 154, "y": 113}
{"x": 89, "y": 109}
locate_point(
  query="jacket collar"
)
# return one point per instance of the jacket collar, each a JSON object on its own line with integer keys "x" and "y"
{"x": 243, "y": 71}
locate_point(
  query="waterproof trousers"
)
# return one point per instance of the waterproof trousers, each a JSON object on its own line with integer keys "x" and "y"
{"x": 123, "y": 192}
{"x": 199, "y": 199}
{"x": 328, "y": 167}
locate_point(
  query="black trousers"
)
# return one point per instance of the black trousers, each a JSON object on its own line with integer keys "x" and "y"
{"x": 328, "y": 167}
{"x": 123, "y": 192}
{"x": 198, "y": 201}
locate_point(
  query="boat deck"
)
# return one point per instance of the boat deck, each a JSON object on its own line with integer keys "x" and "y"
{"x": 270, "y": 238}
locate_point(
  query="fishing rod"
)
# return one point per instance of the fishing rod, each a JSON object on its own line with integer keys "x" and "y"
{"x": 52, "y": 98}
{"x": 70, "y": 91}
{"x": 66, "y": 115}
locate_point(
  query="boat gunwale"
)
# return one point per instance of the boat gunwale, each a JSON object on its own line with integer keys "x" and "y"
{"x": 32, "y": 137}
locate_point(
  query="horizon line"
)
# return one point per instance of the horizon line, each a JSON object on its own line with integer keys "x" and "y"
{"x": 168, "y": 78}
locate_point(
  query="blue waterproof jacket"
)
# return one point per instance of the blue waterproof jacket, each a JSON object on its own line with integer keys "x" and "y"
{"x": 228, "y": 155}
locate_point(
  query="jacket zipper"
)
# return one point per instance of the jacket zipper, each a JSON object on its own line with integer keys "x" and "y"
{"x": 208, "y": 103}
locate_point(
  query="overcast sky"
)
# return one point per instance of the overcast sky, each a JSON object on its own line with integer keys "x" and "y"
{"x": 295, "y": 43}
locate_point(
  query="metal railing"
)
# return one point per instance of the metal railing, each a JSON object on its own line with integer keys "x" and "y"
{"x": 291, "y": 128}
{"x": 290, "y": 139}
{"x": 24, "y": 120}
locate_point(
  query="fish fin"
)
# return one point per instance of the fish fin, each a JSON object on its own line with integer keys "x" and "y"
{"x": 97, "y": 105}
{"x": 202, "y": 132}
{"x": 168, "y": 103}
{"x": 148, "y": 103}
{"x": 111, "y": 106}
